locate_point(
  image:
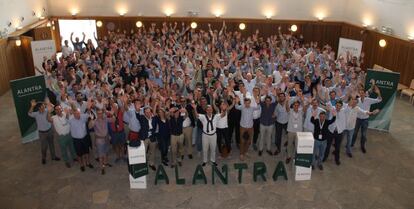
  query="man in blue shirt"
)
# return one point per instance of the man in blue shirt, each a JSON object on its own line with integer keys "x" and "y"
{"x": 45, "y": 130}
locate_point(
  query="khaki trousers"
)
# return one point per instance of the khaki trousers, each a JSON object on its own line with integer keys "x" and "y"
{"x": 188, "y": 141}
{"x": 150, "y": 146}
{"x": 245, "y": 143}
{"x": 176, "y": 145}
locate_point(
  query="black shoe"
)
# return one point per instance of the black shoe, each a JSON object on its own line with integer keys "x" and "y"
{"x": 75, "y": 160}
{"x": 269, "y": 152}
{"x": 363, "y": 150}
{"x": 260, "y": 153}
{"x": 82, "y": 168}
{"x": 90, "y": 166}
{"x": 97, "y": 159}
{"x": 180, "y": 164}
{"x": 103, "y": 171}
{"x": 165, "y": 163}
{"x": 56, "y": 159}
{"x": 214, "y": 163}
{"x": 313, "y": 167}
{"x": 352, "y": 145}
{"x": 204, "y": 164}
{"x": 255, "y": 147}
{"x": 349, "y": 155}
{"x": 182, "y": 157}
{"x": 276, "y": 152}
{"x": 190, "y": 156}
{"x": 285, "y": 144}
{"x": 320, "y": 167}
{"x": 43, "y": 161}
{"x": 172, "y": 166}
{"x": 152, "y": 167}
{"x": 324, "y": 159}
{"x": 287, "y": 160}
{"x": 67, "y": 165}
{"x": 338, "y": 162}
{"x": 109, "y": 165}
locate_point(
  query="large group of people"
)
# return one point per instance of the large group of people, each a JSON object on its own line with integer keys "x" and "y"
{"x": 187, "y": 91}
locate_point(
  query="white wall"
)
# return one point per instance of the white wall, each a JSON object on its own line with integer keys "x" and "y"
{"x": 397, "y": 14}
{"x": 281, "y": 9}
{"x": 12, "y": 10}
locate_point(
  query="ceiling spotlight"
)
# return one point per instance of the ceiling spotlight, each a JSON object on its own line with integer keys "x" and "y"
{"x": 18, "y": 42}
{"x": 193, "y": 25}
{"x": 242, "y": 26}
{"x": 294, "y": 28}
{"x": 382, "y": 43}
{"x": 48, "y": 24}
{"x": 99, "y": 23}
{"x": 138, "y": 24}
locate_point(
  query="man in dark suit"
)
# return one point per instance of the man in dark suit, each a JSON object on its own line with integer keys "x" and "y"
{"x": 320, "y": 134}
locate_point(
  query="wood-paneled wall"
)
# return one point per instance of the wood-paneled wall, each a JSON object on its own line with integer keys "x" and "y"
{"x": 323, "y": 32}
{"x": 15, "y": 61}
{"x": 397, "y": 55}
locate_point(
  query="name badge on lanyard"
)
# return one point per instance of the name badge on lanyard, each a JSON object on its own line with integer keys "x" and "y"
{"x": 320, "y": 128}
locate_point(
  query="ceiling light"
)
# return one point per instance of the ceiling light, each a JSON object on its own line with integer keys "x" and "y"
{"x": 138, "y": 24}
{"x": 242, "y": 26}
{"x": 99, "y": 23}
{"x": 18, "y": 42}
{"x": 193, "y": 25}
{"x": 382, "y": 43}
{"x": 294, "y": 28}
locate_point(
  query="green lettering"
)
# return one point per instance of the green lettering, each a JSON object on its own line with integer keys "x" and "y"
{"x": 199, "y": 175}
{"x": 280, "y": 171}
{"x": 240, "y": 167}
{"x": 177, "y": 177}
{"x": 161, "y": 175}
{"x": 224, "y": 178}
{"x": 259, "y": 169}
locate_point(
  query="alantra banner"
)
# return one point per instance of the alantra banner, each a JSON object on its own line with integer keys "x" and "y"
{"x": 387, "y": 83}
{"x": 24, "y": 90}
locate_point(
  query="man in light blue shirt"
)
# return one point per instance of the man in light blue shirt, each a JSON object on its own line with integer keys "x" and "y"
{"x": 44, "y": 128}
{"x": 78, "y": 131}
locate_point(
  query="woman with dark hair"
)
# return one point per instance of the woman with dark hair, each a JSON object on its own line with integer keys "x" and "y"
{"x": 162, "y": 133}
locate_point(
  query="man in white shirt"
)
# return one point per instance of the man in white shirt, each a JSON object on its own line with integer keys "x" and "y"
{"x": 362, "y": 120}
{"x": 336, "y": 129}
{"x": 66, "y": 49}
{"x": 209, "y": 137}
{"x": 62, "y": 127}
{"x": 352, "y": 111}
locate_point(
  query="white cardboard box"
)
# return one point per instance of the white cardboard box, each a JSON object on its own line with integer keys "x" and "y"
{"x": 138, "y": 183}
{"x": 136, "y": 155}
{"x": 302, "y": 173}
{"x": 304, "y": 142}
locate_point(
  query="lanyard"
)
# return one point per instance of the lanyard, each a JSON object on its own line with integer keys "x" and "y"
{"x": 321, "y": 125}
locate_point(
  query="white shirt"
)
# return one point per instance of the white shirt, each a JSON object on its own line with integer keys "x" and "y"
{"x": 340, "y": 121}
{"x": 277, "y": 77}
{"x": 222, "y": 122}
{"x": 203, "y": 119}
{"x": 186, "y": 122}
{"x": 66, "y": 50}
{"x": 61, "y": 124}
{"x": 366, "y": 105}
{"x": 249, "y": 85}
{"x": 351, "y": 116}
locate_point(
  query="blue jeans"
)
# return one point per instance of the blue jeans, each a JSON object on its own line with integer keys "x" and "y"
{"x": 349, "y": 134}
{"x": 318, "y": 152}
{"x": 363, "y": 125}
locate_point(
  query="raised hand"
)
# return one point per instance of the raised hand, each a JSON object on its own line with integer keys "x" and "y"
{"x": 33, "y": 103}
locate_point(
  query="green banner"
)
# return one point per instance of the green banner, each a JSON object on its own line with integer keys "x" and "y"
{"x": 24, "y": 90}
{"x": 387, "y": 83}
{"x": 304, "y": 160}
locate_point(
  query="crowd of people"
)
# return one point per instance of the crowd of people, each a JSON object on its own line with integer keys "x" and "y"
{"x": 187, "y": 91}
